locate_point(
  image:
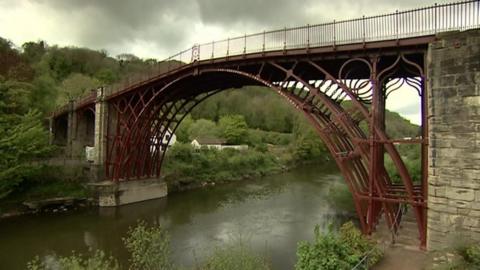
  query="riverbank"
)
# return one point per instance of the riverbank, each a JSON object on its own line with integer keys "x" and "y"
{"x": 185, "y": 169}
{"x": 43, "y": 190}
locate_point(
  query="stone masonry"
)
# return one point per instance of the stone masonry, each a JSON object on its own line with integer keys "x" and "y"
{"x": 100, "y": 139}
{"x": 453, "y": 67}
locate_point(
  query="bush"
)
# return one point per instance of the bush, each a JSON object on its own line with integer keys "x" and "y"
{"x": 97, "y": 261}
{"x": 149, "y": 248}
{"x": 200, "y": 165}
{"x": 469, "y": 258}
{"x": 237, "y": 256}
{"x": 342, "y": 250}
{"x": 472, "y": 255}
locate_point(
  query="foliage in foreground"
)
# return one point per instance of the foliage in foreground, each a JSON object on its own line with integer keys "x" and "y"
{"x": 472, "y": 255}
{"x": 332, "y": 250}
{"x": 149, "y": 249}
{"x": 469, "y": 259}
{"x": 97, "y": 261}
{"x": 236, "y": 256}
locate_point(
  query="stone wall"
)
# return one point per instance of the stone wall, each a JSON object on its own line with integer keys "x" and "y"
{"x": 453, "y": 72}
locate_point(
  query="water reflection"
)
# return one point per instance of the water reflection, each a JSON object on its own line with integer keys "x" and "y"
{"x": 273, "y": 213}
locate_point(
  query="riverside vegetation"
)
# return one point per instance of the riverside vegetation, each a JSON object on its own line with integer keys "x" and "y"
{"x": 149, "y": 249}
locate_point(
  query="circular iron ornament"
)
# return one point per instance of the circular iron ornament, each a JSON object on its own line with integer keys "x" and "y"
{"x": 195, "y": 53}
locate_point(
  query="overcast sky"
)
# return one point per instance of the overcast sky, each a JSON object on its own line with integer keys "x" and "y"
{"x": 159, "y": 28}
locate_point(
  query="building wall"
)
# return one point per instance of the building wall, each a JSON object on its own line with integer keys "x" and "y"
{"x": 453, "y": 72}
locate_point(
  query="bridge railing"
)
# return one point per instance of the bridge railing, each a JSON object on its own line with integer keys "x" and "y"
{"x": 404, "y": 24}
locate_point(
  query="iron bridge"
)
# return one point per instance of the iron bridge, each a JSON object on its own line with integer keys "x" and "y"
{"x": 338, "y": 74}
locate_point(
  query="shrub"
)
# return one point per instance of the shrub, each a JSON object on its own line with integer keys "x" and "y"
{"x": 237, "y": 256}
{"x": 97, "y": 261}
{"x": 472, "y": 255}
{"x": 332, "y": 250}
{"x": 149, "y": 247}
{"x": 469, "y": 258}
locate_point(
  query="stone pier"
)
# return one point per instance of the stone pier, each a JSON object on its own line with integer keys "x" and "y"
{"x": 116, "y": 194}
{"x": 100, "y": 136}
{"x": 124, "y": 192}
{"x": 454, "y": 139}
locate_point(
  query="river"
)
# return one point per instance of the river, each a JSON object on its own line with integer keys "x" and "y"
{"x": 271, "y": 214}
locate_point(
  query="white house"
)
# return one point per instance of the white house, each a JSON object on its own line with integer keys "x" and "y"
{"x": 90, "y": 150}
{"x": 215, "y": 143}
{"x": 167, "y": 136}
{"x": 169, "y": 139}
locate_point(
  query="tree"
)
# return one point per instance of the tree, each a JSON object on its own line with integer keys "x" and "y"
{"x": 233, "y": 128}
{"x": 11, "y": 64}
{"x": 22, "y": 138}
{"x": 182, "y": 131}
{"x": 14, "y": 98}
{"x": 307, "y": 143}
{"x": 106, "y": 76}
{"x": 75, "y": 86}
{"x": 44, "y": 93}
{"x": 203, "y": 128}
{"x": 33, "y": 51}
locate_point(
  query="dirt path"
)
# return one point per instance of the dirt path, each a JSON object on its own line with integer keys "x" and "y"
{"x": 399, "y": 258}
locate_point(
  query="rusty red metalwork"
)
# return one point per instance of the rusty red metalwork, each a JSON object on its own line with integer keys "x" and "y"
{"x": 338, "y": 75}
{"x": 336, "y": 105}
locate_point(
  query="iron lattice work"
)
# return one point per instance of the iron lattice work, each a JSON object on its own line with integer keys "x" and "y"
{"x": 338, "y": 97}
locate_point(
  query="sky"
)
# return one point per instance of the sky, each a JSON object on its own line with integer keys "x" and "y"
{"x": 160, "y": 28}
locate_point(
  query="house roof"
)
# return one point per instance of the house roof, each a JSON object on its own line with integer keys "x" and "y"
{"x": 210, "y": 141}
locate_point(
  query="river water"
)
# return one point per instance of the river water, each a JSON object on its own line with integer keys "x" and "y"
{"x": 271, "y": 214}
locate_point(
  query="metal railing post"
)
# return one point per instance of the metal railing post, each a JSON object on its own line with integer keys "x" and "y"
{"x": 213, "y": 49}
{"x": 435, "y": 17}
{"x": 228, "y": 46}
{"x": 285, "y": 38}
{"x": 245, "y": 43}
{"x": 334, "y": 34}
{"x": 396, "y": 24}
{"x": 363, "y": 26}
{"x": 308, "y": 36}
{"x": 263, "y": 45}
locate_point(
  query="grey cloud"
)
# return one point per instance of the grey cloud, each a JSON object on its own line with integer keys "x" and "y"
{"x": 108, "y": 23}
{"x": 278, "y": 13}
{"x": 264, "y": 13}
{"x": 169, "y": 24}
